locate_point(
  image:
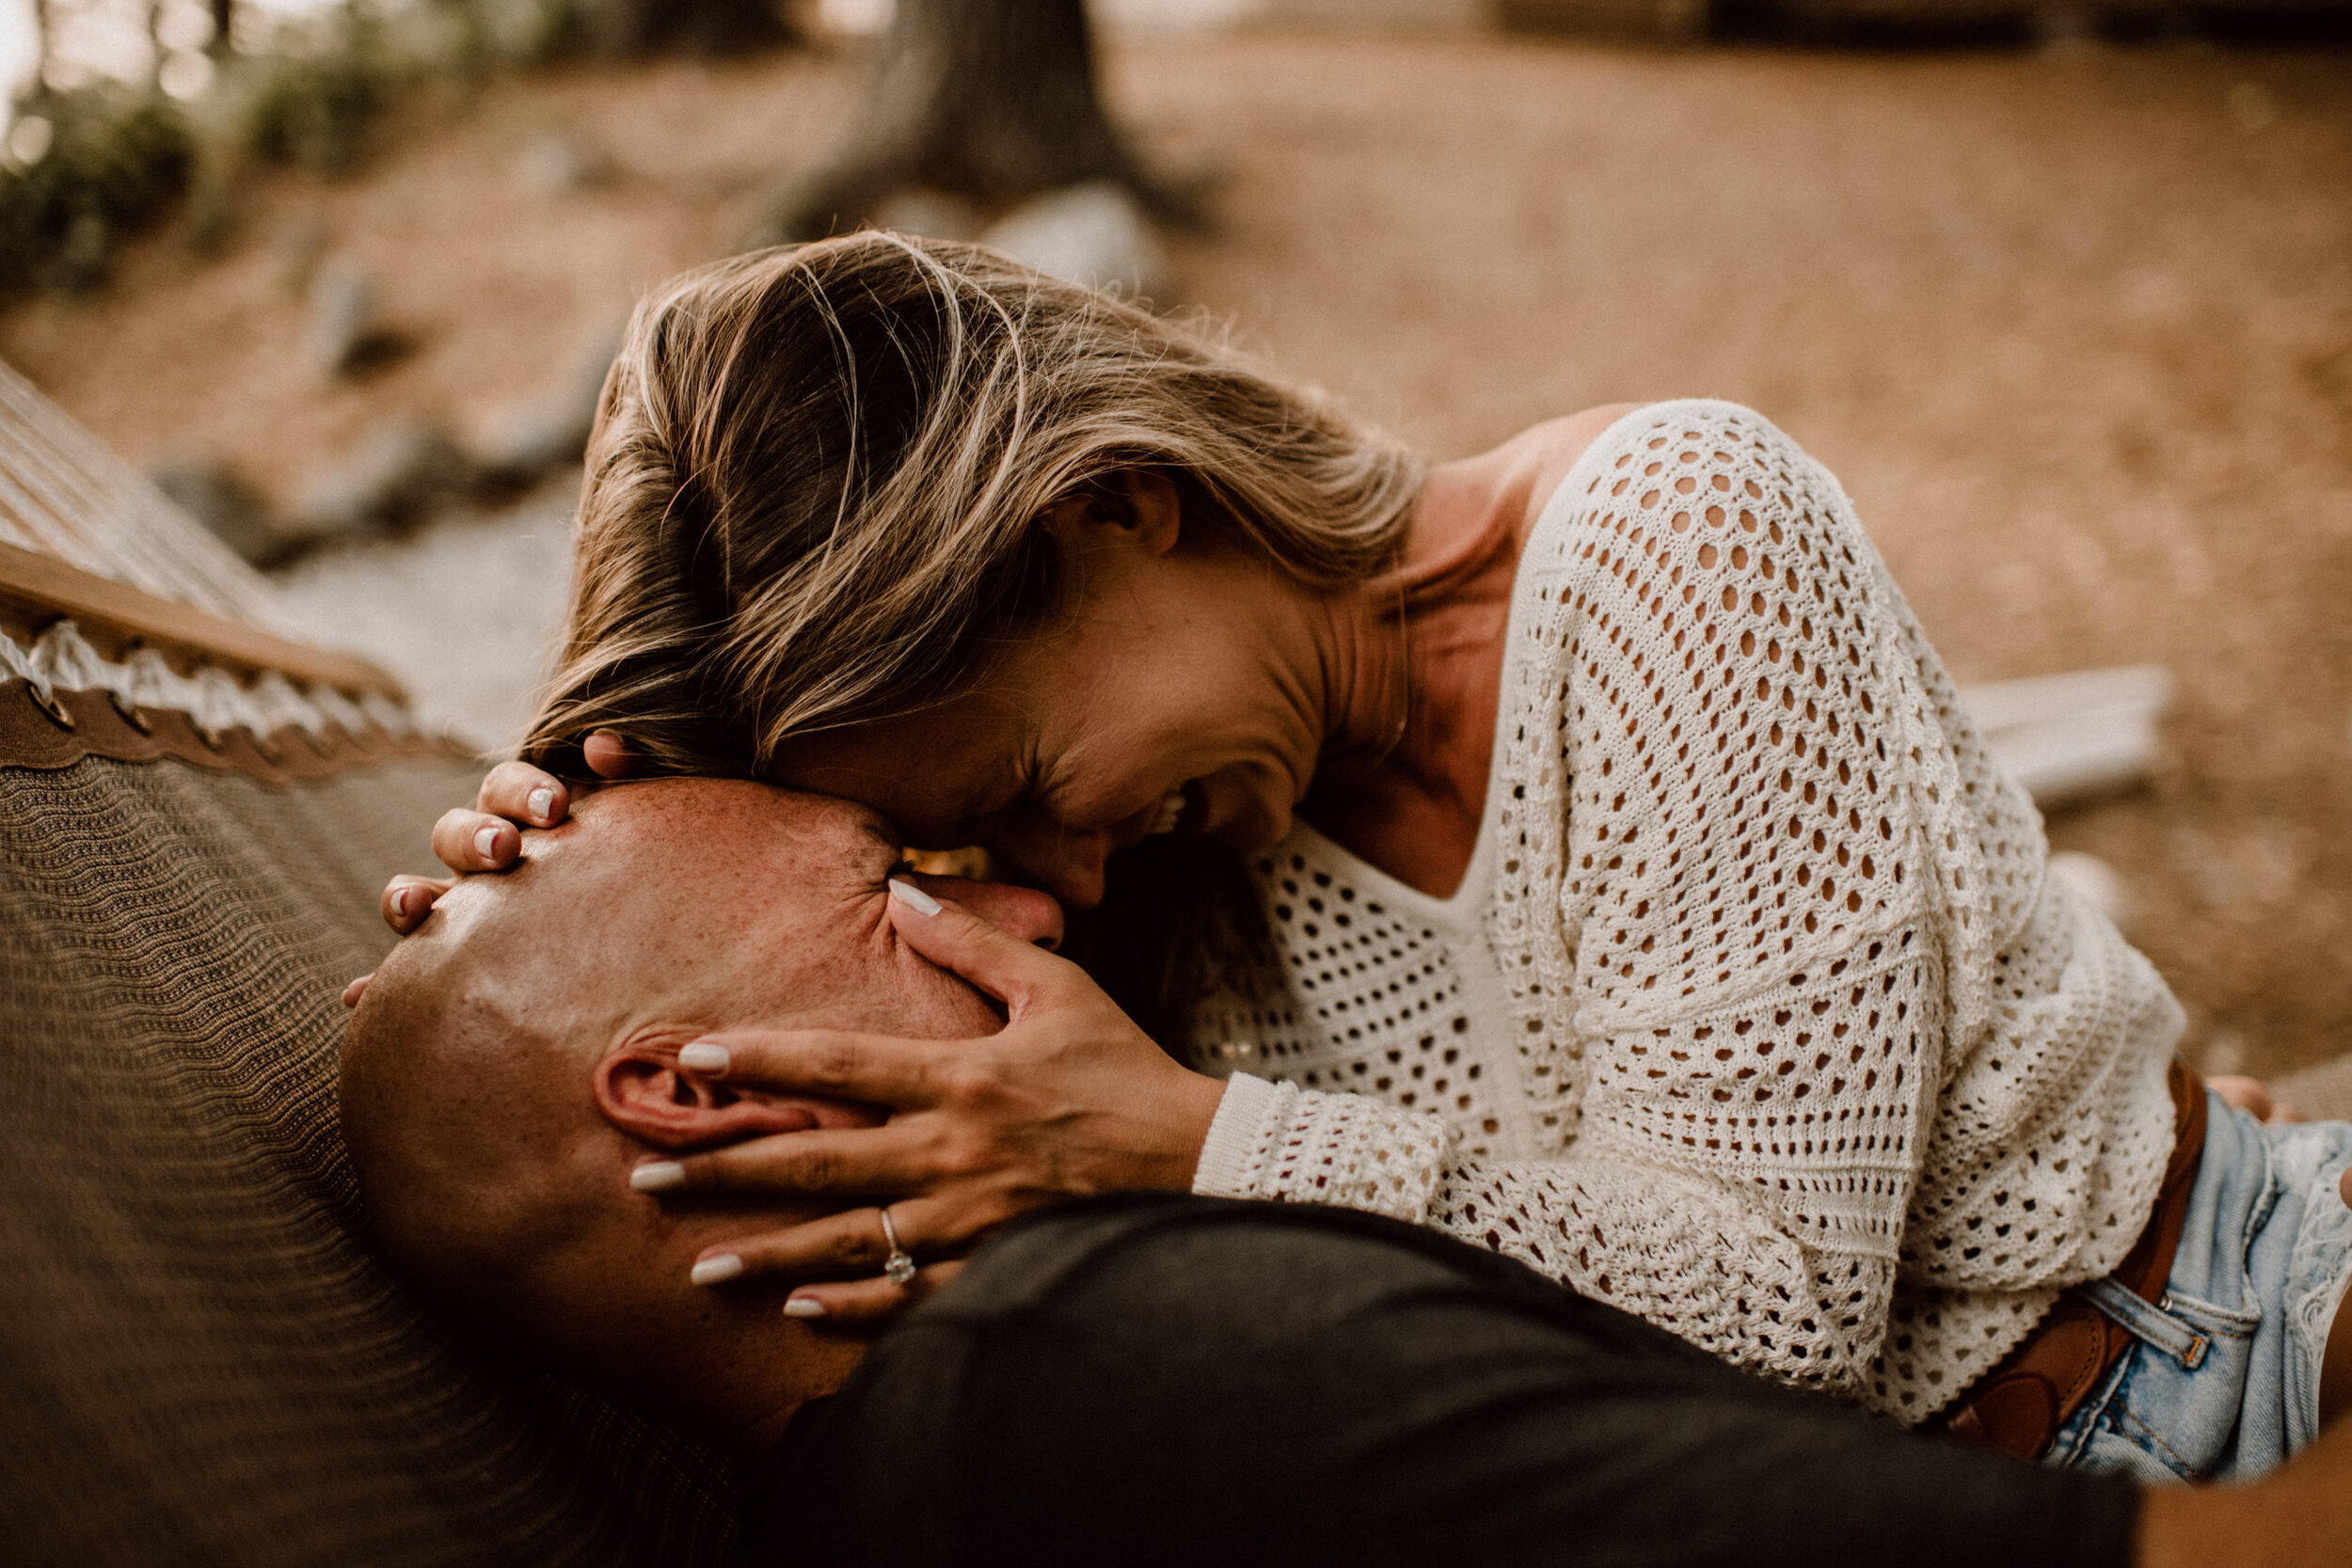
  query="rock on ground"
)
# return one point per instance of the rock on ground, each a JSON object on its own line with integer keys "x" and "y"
{"x": 236, "y": 513}
{"x": 344, "y": 335}
{"x": 464, "y": 610}
{"x": 401, "y": 473}
{"x": 525, "y": 440}
{"x": 1093, "y": 234}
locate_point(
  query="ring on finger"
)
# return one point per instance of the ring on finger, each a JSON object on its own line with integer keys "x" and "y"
{"x": 899, "y": 1267}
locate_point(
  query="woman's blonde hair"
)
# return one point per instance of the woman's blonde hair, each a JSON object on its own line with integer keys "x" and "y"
{"x": 815, "y": 490}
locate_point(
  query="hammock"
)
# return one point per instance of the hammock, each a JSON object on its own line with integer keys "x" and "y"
{"x": 202, "y": 1359}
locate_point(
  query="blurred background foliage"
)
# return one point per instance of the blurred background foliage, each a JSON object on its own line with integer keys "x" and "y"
{"x": 87, "y": 166}
{"x": 136, "y": 106}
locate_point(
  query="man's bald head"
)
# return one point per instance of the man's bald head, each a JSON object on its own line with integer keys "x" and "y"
{"x": 513, "y": 1058}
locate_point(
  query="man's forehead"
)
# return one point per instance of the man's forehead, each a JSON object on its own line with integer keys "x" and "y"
{"x": 673, "y": 854}
{"x": 689, "y": 820}
{"x": 699, "y": 903}
{"x": 768, "y": 906}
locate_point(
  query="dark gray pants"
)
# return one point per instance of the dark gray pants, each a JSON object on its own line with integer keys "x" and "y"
{"x": 1159, "y": 1380}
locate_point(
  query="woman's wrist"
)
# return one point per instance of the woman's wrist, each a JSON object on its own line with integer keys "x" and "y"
{"x": 1193, "y": 1112}
{"x": 1231, "y": 1153}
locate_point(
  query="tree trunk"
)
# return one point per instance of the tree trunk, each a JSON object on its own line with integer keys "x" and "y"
{"x": 620, "y": 29}
{"x": 992, "y": 100}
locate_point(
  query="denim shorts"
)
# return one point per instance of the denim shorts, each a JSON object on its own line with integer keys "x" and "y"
{"x": 2222, "y": 1383}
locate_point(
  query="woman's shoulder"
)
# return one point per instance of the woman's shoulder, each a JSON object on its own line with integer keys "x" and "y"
{"x": 1540, "y": 458}
{"x": 1693, "y": 517}
{"x": 1511, "y": 488}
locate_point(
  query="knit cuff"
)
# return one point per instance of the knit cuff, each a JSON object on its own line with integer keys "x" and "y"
{"x": 1289, "y": 1145}
{"x": 1234, "y": 1154}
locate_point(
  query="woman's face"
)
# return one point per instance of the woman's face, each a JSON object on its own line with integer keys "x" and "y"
{"x": 1180, "y": 690}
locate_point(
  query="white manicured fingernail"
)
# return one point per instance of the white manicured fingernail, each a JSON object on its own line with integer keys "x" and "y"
{"x": 800, "y": 1307}
{"x": 913, "y": 897}
{"x": 704, "y": 1057}
{"x": 542, "y": 802}
{"x": 404, "y": 901}
{"x": 486, "y": 842}
{"x": 716, "y": 1270}
{"x": 658, "y": 1176}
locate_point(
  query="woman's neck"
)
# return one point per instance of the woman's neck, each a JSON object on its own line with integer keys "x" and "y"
{"x": 1413, "y": 669}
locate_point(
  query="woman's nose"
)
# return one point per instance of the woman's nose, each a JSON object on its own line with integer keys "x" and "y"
{"x": 1068, "y": 864}
{"x": 1022, "y": 912}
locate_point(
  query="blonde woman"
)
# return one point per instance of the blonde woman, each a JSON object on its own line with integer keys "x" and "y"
{"x": 1576, "y": 847}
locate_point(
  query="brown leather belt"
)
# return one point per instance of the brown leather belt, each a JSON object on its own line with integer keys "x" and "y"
{"x": 2019, "y": 1406}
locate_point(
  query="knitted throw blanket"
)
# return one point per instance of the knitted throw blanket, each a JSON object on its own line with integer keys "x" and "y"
{"x": 1756, "y": 1015}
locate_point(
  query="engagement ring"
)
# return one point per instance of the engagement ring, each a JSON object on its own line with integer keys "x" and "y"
{"x": 899, "y": 1266}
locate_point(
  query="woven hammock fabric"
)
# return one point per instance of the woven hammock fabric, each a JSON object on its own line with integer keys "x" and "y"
{"x": 201, "y": 1359}
{"x": 62, "y": 492}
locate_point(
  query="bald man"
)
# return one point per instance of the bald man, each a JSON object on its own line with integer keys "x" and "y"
{"x": 1140, "y": 1380}
{"x": 511, "y": 1061}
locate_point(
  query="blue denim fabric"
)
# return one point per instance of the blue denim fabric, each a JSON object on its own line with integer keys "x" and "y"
{"x": 2223, "y": 1382}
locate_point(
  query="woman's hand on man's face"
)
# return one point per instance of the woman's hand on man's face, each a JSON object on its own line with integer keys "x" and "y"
{"x": 514, "y": 796}
{"x": 1070, "y": 1099}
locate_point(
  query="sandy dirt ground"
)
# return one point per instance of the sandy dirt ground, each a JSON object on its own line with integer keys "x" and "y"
{"x": 2075, "y": 329}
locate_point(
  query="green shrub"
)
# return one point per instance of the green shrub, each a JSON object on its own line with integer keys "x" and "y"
{"x": 312, "y": 112}
{"x": 116, "y": 158}
{"x": 119, "y": 158}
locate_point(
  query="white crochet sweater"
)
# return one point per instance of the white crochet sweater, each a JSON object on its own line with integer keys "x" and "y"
{"x": 1755, "y": 1014}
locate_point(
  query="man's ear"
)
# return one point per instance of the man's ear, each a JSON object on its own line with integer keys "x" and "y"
{"x": 645, "y": 1093}
{"x": 1142, "y": 504}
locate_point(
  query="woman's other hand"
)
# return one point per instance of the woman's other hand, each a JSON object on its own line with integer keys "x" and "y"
{"x": 514, "y": 796}
{"x": 1070, "y": 1099}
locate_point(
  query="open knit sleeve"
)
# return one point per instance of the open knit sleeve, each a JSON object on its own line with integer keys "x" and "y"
{"x": 1732, "y": 874}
